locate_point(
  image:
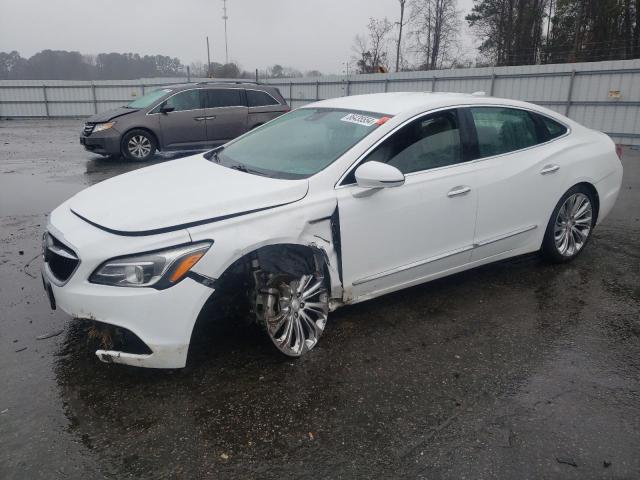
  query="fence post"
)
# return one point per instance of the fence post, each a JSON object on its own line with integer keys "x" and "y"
{"x": 493, "y": 81}
{"x": 433, "y": 84}
{"x": 386, "y": 85}
{"x": 570, "y": 93}
{"x": 142, "y": 88}
{"x": 95, "y": 100}
{"x": 291, "y": 93}
{"x": 317, "y": 90}
{"x": 46, "y": 101}
{"x": 348, "y": 90}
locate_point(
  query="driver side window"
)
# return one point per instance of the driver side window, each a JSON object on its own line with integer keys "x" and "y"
{"x": 431, "y": 141}
{"x": 187, "y": 100}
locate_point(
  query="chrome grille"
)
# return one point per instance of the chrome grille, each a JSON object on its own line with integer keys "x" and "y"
{"x": 88, "y": 129}
{"x": 61, "y": 260}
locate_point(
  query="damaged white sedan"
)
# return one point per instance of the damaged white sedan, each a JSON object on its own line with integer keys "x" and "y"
{"x": 334, "y": 203}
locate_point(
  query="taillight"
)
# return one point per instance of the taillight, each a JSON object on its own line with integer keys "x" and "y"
{"x": 619, "y": 151}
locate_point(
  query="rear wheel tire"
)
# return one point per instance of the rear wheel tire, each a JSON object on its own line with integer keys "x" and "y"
{"x": 570, "y": 225}
{"x": 138, "y": 145}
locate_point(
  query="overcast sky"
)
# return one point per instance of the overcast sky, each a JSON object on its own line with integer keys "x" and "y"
{"x": 304, "y": 34}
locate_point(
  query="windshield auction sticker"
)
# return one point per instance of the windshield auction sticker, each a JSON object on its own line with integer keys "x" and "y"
{"x": 359, "y": 119}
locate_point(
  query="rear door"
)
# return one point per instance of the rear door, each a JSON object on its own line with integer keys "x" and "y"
{"x": 226, "y": 114}
{"x": 519, "y": 178}
{"x": 185, "y": 125}
{"x": 263, "y": 107}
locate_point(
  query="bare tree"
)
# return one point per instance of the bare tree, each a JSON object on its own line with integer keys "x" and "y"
{"x": 372, "y": 50}
{"x": 435, "y": 28}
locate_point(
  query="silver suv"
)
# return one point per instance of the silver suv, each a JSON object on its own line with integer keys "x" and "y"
{"x": 182, "y": 117}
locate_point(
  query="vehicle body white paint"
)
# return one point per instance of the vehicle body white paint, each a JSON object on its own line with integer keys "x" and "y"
{"x": 391, "y": 238}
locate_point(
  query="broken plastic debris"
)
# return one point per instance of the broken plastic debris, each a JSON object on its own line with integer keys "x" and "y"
{"x": 566, "y": 461}
{"x": 49, "y": 335}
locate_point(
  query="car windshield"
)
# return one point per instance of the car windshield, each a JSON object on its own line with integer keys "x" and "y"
{"x": 149, "y": 99}
{"x": 299, "y": 144}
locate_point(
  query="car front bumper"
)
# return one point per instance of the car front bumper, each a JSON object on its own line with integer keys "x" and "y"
{"x": 161, "y": 319}
{"x": 102, "y": 143}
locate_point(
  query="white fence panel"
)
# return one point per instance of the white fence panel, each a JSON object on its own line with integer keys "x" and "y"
{"x": 601, "y": 95}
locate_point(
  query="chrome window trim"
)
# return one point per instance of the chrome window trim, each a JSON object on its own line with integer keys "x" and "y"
{"x": 196, "y": 109}
{"x": 262, "y": 106}
{"x": 359, "y": 160}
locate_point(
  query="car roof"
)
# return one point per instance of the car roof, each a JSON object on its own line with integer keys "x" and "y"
{"x": 397, "y": 103}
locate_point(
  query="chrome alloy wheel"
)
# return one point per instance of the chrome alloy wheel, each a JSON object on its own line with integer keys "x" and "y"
{"x": 295, "y": 312}
{"x": 573, "y": 224}
{"x": 139, "y": 146}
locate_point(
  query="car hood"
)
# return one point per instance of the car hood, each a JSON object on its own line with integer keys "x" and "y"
{"x": 110, "y": 114}
{"x": 180, "y": 194}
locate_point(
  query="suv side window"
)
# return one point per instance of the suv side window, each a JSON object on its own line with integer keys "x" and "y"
{"x": 187, "y": 100}
{"x": 224, "y": 97}
{"x": 257, "y": 98}
{"x": 503, "y": 129}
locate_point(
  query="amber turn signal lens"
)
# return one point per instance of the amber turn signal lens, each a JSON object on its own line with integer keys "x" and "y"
{"x": 185, "y": 265}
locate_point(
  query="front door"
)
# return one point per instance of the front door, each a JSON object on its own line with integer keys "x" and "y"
{"x": 395, "y": 237}
{"x": 184, "y": 126}
{"x": 226, "y": 114}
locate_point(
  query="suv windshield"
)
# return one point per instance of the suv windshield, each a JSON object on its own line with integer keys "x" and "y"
{"x": 299, "y": 144}
{"x": 149, "y": 99}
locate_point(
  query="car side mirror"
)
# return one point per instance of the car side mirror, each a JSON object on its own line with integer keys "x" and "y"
{"x": 378, "y": 175}
{"x": 166, "y": 109}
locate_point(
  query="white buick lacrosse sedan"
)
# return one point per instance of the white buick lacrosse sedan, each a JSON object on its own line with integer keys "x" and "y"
{"x": 334, "y": 203}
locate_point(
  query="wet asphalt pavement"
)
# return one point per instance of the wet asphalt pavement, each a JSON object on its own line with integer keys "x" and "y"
{"x": 514, "y": 370}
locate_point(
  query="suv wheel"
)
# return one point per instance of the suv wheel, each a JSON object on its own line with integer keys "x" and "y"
{"x": 138, "y": 145}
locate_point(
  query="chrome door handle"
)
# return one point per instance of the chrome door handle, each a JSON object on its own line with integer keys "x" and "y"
{"x": 211, "y": 117}
{"x": 199, "y": 119}
{"x": 547, "y": 169}
{"x": 461, "y": 190}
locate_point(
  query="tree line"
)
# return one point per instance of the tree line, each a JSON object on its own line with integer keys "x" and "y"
{"x": 426, "y": 34}
{"x": 66, "y": 65}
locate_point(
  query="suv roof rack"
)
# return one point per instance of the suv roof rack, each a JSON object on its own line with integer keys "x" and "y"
{"x": 236, "y": 82}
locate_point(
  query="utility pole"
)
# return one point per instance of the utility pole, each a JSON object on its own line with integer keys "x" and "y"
{"x": 402, "y": 2}
{"x": 226, "y": 41}
{"x": 208, "y": 60}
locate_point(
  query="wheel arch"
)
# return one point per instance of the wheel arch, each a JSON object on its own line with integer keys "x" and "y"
{"x": 594, "y": 192}
{"x": 237, "y": 279}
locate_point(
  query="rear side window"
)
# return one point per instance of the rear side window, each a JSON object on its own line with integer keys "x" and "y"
{"x": 551, "y": 128}
{"x": 257, "y": 98}
{"x": 188, "y": 100}
{"x": 221, "y": 97}
{"x": 501, "y": 130}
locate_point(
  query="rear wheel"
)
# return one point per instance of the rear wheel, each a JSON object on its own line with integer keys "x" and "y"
{"x": 570, "y": 225}
{"x": 293, "y": 311}
{"x": 138, "y": 145}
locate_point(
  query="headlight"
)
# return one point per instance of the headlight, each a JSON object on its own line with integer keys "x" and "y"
{"x": 159, "y": 270}
{"x": 98, "y": 127}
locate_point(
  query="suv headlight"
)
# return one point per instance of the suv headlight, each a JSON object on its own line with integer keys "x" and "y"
{"x": 99, "y": 127}
{"x": 161, "y": 269}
